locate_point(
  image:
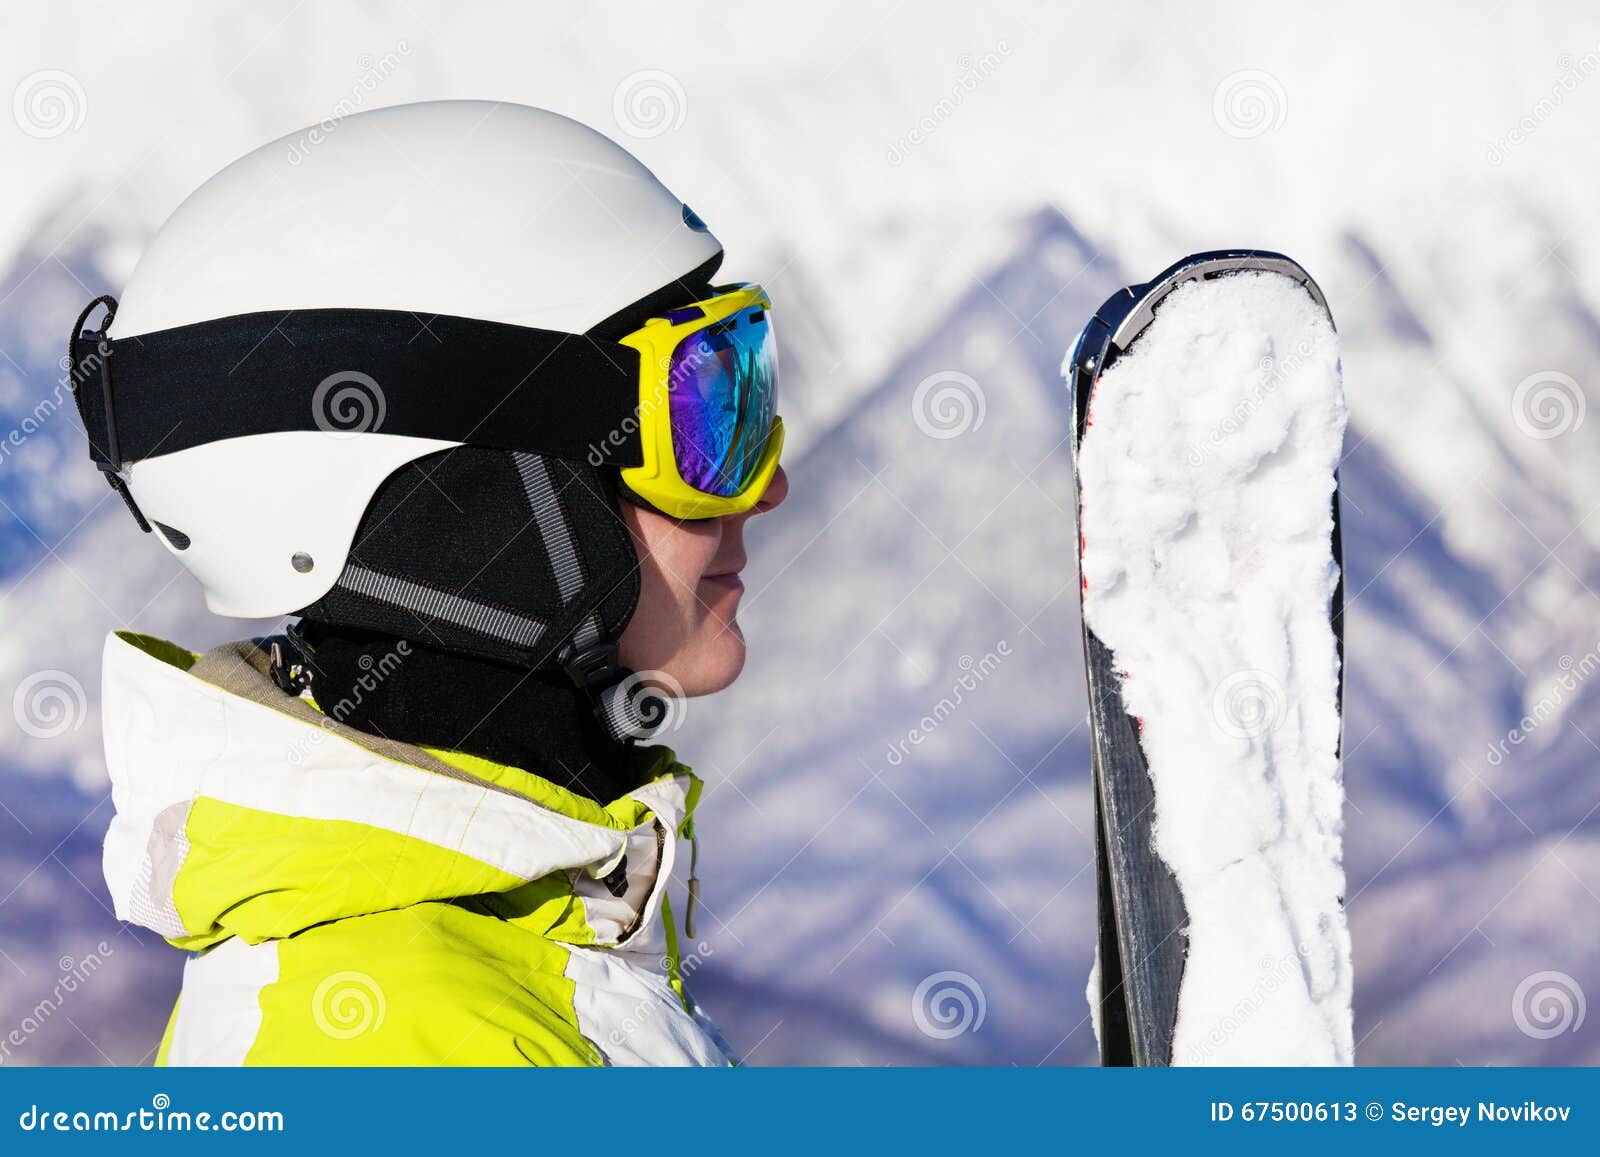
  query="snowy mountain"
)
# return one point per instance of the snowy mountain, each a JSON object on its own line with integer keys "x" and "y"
{"x": 898, "y": 786}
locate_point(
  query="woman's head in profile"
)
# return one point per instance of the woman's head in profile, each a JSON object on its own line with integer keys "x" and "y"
{"x": 457, "y": 373}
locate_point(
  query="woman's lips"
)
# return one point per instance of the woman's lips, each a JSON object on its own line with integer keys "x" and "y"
{"x": 727, "y": 580}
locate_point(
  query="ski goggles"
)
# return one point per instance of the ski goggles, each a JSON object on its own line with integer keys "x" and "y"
{"x": 709, "y": 432}
{"x": 684, "y": 406}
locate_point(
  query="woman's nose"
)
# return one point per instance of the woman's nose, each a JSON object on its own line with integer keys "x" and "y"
{"x": 777, "y": 491}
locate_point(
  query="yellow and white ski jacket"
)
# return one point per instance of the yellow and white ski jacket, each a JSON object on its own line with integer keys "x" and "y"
{"x": 351, "y": 900}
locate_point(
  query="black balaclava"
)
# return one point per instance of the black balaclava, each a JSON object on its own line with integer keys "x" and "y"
{"x": 535, "y": 720}
{"x": 457, "y": 556}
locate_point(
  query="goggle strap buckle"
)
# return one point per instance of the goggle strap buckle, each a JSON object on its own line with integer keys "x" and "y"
{"x": 94, "y": 346}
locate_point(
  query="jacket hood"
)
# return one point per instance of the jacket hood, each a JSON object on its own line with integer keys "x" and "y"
{"x": 244, "y": 811}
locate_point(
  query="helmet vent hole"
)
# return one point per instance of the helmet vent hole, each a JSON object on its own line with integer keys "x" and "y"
{"x": 301, "y": 561}
{"x": 178, "y": 539}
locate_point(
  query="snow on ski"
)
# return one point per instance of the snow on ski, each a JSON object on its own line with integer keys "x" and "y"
{"x": 1209, "y": 420}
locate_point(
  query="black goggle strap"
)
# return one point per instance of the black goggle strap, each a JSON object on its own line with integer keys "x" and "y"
{"x": 456, "y": 379}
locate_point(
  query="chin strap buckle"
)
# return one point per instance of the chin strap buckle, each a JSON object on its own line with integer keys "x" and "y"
{"x": 292, "y": 675}
{"x": 627, "y": 707}
{"x": 595, "y": 668}
{"x": 598, "y": 672}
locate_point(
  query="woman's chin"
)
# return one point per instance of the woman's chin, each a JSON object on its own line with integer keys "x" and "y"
{"x": 717, "y": 664}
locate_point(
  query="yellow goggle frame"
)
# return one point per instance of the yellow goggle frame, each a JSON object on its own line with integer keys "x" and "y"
{"x": 657, "y": 480}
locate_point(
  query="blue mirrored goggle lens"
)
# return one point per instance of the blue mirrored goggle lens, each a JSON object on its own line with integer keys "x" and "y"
{"x": 723, "y": 391}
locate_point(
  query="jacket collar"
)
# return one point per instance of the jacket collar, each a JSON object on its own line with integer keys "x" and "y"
{"x": 241, "y": 810}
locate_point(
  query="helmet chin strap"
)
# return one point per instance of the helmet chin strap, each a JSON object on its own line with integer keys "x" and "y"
{"x": 621, "y": 701}
{"x": 628, "y": 707}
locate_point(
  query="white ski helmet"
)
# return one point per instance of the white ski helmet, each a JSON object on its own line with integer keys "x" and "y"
{"x": 468, "y": 209}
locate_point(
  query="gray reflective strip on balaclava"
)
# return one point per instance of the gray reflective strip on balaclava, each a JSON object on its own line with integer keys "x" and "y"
{"x": 552, "y": 524}
{"x": 421, "y": 600}
{"x": 619, "y": 709}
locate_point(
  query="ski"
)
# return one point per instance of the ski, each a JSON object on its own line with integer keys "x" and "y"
{"x": 1145, "y": 932}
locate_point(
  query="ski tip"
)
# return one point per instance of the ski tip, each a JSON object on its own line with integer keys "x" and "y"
{"x": 1129, "y": 311}
{"x": 1204, "y": 267}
